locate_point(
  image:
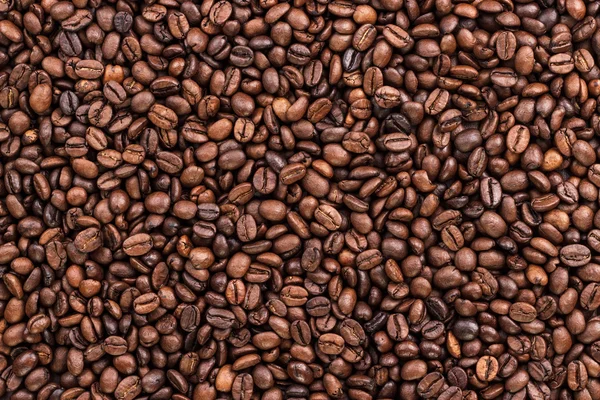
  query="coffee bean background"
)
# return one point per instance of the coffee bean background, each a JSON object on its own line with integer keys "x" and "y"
{"x": 313, "y": 199}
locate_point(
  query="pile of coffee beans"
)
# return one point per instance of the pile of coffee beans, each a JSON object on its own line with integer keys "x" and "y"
{"x": 314, "y": 199}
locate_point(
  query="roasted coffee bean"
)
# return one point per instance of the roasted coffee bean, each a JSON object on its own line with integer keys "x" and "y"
{"x": 491, "y": 192}
{"x": 522, "y": 312}
{"x": 396, "y": 36}
{"x": 330, "y": 343}
{"x": 431, "y": 385}
{"x": 575, "y": 255}
{"x": 397, "y": 142}
{"x": 163, "y": 117}
{"x": 590, "y": 297}
{"x": 487, "y": 368}
{"x": 88, "y": 240}
{"x": 292, "y": 173}
{"x": 356, "y": 142}
{"x": 137, "y": 245}
{"x": 518, "y": 139}
{"x": 115, "y": 345}
{"x": 146, "y": 303}
{"x": 397, "y": 327}
{"x": 129, "y": 388}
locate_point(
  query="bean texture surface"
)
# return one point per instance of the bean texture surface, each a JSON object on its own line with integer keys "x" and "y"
{"x": 308, "y": 199}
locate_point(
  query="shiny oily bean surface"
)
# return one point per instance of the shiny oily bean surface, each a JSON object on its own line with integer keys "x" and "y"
{"x": 244, "y": 200}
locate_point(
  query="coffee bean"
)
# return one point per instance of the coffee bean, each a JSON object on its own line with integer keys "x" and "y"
{"x": 387, "y": 97}
{"x": 220, "y": 318}
{"x": 431, "y": 385}
{"x": 146, "y": 303}
{"x": 329, "y": 217}
{"x": 506, "y": 44}
{"x": 294, "y": 296}
{"x": 163, "y": 117}
{"x": 115, "y": 345}
{"x": 518, "y": 139}
{"x": 330, "y": 343}
{"x": 522, "y": 312}
{"x": 491, "y": 192}
{"x": 138, "y": 244}
{"x": 41, "y": 98}
{"x": 504, "y": 77}
{"x": 352, "y": 332}
{"x": 169, "y": 162}
{"x": 356, "y": 142}
{"x": 88, "y": 240}
{"x": 561, "y": 63}
{"x": 220, "y": 12}
{"x": 590, "y": 297}
{"x": 396, "y": 36}
{"x": 575, "y": 255}
{"x": 397, "y": 142}
{"x": 369, "y": 259}
{"x": 577, "y": 375}
{"x": 292, "y": 173}
{"x": 24, "y": 363}
{"x": 437, "y": 101}
{"x": 397, "y": 327}
{"x": 129, "y": 388}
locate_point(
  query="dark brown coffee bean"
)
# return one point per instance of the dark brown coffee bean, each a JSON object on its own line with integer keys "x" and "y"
{"x": 506, "y": 44}
{"x": 431, "y": 385}
{"x": 590, "y": 297}
{"x": 396, "y": 36}
{"x": 561, "y": 63}
{"x": 518, "y": 139}
{"x": 300, "y": 332}
{"x": 163, "y": 117}
{"x": 137, "y": 245}
{"x": 292, "y": 173}
{"x": 169, "y": 162}
{"x": 115, "y": 345}
{"x": 88, "y": 240}
{"x": 146, "y": 303}
{"x": 129, "y": 388}
{"x": 504, "y": 77}
{"x": 577, "y": 375}
{"x": 387, "y": 97}
{"x": 330, "y": 343}
{"x": 220, "y": 12}
{"x": 397, "y": 327}
{"x": 522, "y": 312}
{"x": 437, "y": 101}
{"x": 356, "y": 142}
{"x": 397, "y": 142}
{"x": 575, "y": 255}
